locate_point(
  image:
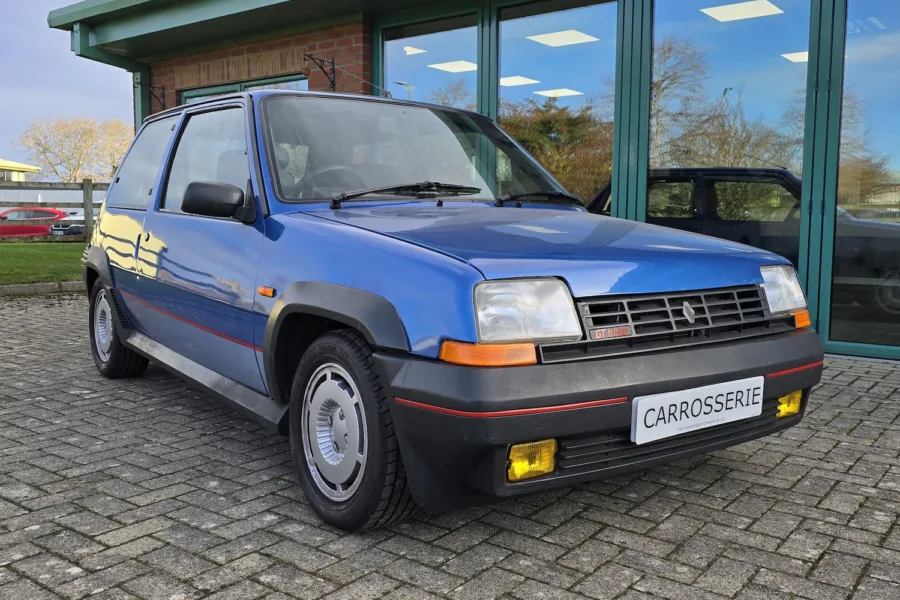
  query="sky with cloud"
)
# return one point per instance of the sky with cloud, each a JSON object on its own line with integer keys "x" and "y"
{"x": 42, "y": 78}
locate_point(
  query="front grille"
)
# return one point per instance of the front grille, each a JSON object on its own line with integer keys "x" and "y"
{"x": 617, "y": 325}
{"x": 591, "y": 453}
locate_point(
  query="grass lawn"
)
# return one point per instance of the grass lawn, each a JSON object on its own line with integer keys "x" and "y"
{"x": 31, "y": 262}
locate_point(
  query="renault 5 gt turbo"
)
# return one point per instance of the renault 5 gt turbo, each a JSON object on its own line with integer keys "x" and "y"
{"x": 424, "y": 310}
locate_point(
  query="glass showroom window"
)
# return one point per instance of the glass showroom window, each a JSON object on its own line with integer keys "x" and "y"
{"x": 290, "y": 82}
{"x": 433, "y": 62}
{"x": 865, "y": 299}
{"x": 557, "y": 85}
{"x": 729, "y": 91}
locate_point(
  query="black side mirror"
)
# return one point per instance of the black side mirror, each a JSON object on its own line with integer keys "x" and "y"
{"x": 4, "y": 218}
{"x": 212, "y": 199}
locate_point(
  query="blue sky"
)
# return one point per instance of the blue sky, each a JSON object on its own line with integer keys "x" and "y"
{"x": 581, "y": 67}
{"x": 47, "y": 81}
{"x": 873, "y": 50}
{"x": 744, "y": 55}
{"x": 43, "y": 79}
{"x": 747, "y": 55}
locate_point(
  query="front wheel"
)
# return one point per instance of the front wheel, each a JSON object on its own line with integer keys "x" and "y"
{"x": 342, "y": 436}
{"x": 112, "y": 358}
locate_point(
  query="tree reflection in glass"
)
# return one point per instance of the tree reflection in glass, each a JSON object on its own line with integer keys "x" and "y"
{"x": 557, "y": 67}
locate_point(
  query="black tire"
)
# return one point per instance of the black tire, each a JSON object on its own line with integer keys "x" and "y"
{"x": 382, "y": 496}
{"x": 118, "y": 361}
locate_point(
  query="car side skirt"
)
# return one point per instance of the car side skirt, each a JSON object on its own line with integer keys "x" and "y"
{"x": 258, "y": 407}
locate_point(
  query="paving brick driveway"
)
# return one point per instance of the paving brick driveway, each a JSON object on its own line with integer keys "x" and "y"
{"x": 147, "y": 489}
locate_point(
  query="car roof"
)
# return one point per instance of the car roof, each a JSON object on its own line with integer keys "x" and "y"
{"x": 721, "y": 171}
{"x": 259, "y": 94}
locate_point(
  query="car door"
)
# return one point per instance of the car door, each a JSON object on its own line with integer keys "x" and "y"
{"x": 11, "y": 223}
{"x": 119, "y": 224}
{"x": 197, "y": 274}
{"x": 759, "y": 211}
{"x": 672, "y": 202}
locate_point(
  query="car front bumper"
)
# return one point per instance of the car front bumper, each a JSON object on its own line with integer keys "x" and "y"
{"x": 455, "y": 424}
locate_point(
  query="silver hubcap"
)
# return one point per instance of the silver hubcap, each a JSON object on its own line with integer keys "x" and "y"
{"x": 103, "y": 326}
{"x": 334, "y": 429}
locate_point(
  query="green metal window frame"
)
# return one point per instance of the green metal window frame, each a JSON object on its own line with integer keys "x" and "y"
{"x": 626, "y": 141}
{"x": 631, "y": 127}
{"x": 825, "y": 146}
{"x": 238, "y": 86}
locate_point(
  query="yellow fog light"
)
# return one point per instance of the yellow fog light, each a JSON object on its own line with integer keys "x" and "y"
{"x": 790, "y": 404}
{"x": 530, "y": 460}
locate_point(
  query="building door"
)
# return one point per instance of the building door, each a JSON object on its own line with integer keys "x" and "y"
{"x": 860, "y": 267}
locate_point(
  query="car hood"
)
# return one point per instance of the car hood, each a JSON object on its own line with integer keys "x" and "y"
{"x": 594, "y": 254}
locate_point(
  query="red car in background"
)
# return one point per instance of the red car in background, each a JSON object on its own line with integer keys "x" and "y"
{"x": 20, "y": 222}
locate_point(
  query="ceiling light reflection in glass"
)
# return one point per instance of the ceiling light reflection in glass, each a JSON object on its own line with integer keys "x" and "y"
{"x": 455, "y": 66}
{"x": 517, "y": 80}
{"x": 797, "y": 57}
{"x": 569, "y": 37}
{"x": 560, "y": 93}
{"x": 742, "y": 10}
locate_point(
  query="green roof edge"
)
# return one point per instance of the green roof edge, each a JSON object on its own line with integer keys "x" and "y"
{"x": 87, "y": 11}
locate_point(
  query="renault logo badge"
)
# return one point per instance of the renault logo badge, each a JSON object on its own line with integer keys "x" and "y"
{"x": 689, "y": 313}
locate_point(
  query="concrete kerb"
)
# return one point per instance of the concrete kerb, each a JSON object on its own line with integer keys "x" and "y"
{"x": 52, "y": 287}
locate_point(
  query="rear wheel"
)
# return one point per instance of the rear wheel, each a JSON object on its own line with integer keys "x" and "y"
{"x": 342, "y": 436}
{"x": 112, "y": 358}
{"x": 887, "y": 293}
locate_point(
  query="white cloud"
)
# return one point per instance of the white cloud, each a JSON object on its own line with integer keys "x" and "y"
{"x": 873, "y": 48}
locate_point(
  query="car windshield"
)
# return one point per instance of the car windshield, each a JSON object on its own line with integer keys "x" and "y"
{"x": 321, "y": 147}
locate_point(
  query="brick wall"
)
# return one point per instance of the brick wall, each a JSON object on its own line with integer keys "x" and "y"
{"x": 350, "y": 44}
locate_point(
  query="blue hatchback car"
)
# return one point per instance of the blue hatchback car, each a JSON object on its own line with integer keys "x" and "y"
{"x": 424, "y": 310}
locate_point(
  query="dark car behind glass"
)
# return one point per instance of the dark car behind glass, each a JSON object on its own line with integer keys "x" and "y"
{"x": 761, "y": 207}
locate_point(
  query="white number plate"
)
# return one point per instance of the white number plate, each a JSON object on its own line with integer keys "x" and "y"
{"x": 673, "y": 413}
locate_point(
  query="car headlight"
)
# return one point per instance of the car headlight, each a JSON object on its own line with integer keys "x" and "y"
{"x": 783, "y": 290}
{"x": 525, "y": 310}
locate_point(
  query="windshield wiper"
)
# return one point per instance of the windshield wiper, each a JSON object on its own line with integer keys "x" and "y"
{"x": 550, "y": 195}
{"x": 424, "y": 189}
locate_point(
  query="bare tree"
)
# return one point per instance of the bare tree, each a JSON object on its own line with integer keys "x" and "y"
{"x": 71, "y": 149}
{"x": 62, "y": 148}
{"x": 676, "y": 93}
{"x": 112, "y": 143}
{"x": 862, "y": 171}
{"x": 456, "y": 95}
{"x": 723, "y": 136}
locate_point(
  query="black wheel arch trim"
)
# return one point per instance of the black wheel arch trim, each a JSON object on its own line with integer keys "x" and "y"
{"x": 95, "y": 259}
{"x": 372, "y": 315}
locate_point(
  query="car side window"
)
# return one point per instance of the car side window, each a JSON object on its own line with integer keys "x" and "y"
{"x": 16, "y": 215}
{"x": 212, "y": 147}
{"x": 759, "y": 201}
{"x": 136, "y": 176}
{"x": 670, "y": 200}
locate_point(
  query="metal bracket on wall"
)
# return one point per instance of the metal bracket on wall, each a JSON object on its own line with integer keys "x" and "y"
{"x": 326, "y": 65}
{"x": 161, "y": 97}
